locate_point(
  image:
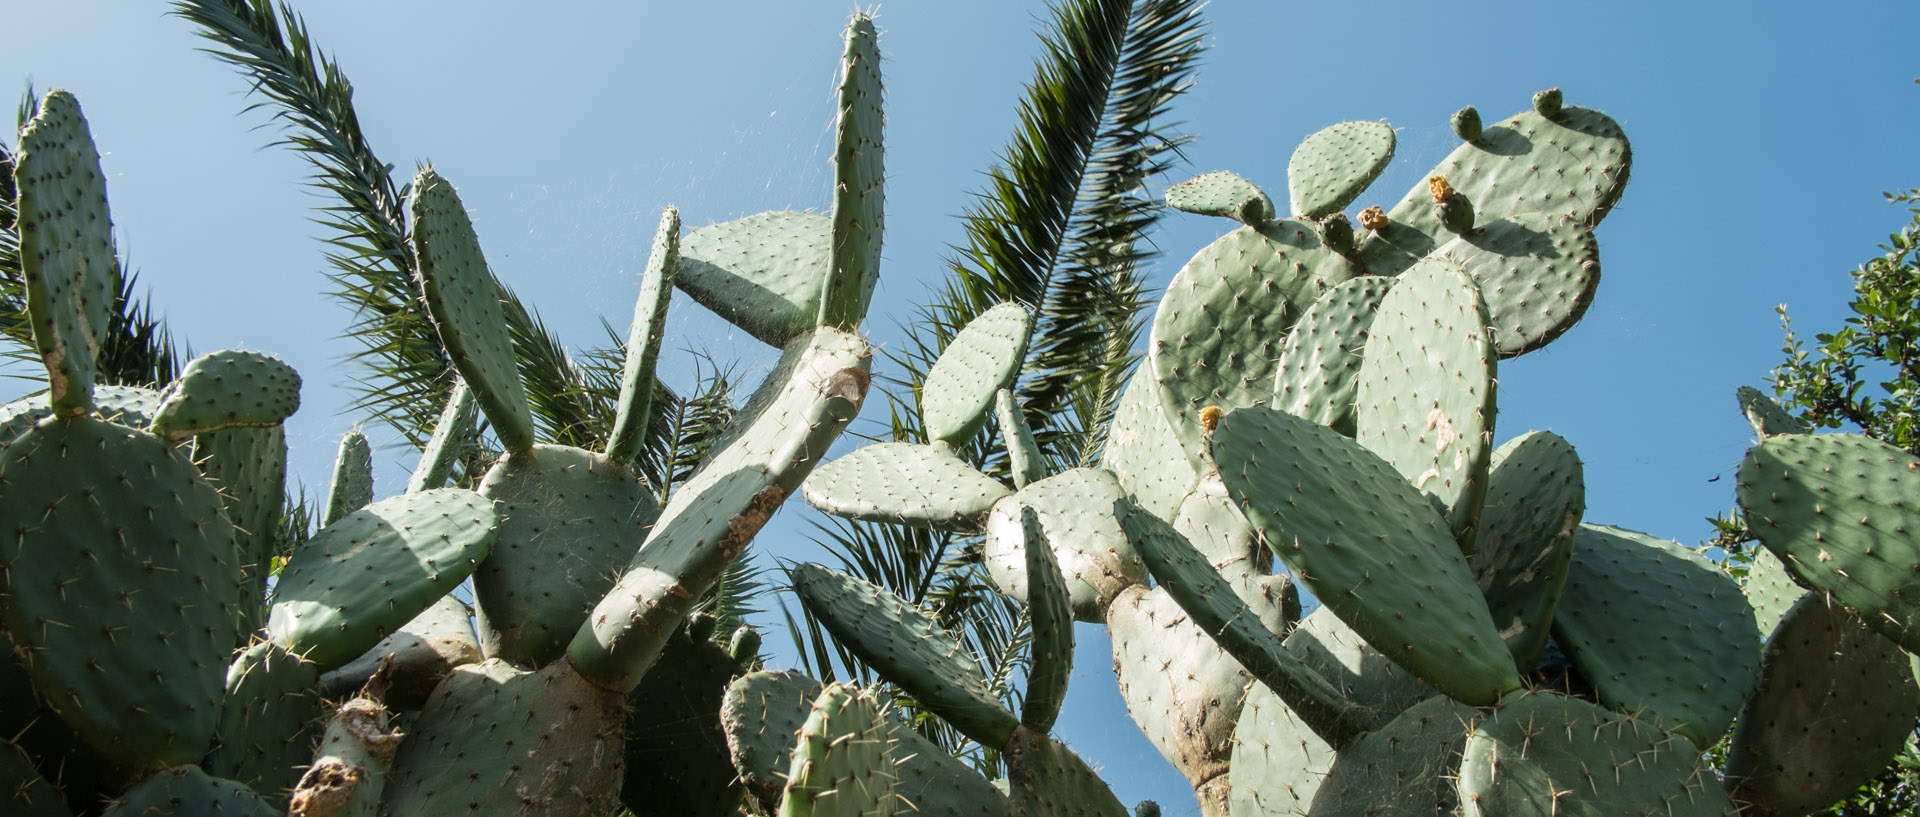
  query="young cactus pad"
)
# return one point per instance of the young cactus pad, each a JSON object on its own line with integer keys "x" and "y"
{"x": 66, "y": 247}
{"x": 1335, "y": 165}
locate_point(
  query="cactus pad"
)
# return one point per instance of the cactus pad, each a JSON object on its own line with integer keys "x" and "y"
{"x": 859, "y": 182}
{"x": 1403, "y": 768}
{"x": 907, "y": 648}
{"x": 677, "y": 761}
{"x": 1536, "y": 494}
{"x": 186, "y": 791}
{"x": 227, "y": 389}
{"x": 1425, "y": 399}
{"x": 1023, "y": 454}
{"x": 1659, "y": 630}
{"x": 450, "y": 434}
{"x": 1335, "y": 165}
{"x": 1046, "y": 779}
{"x": 248, "y": 466}
{"x": 121, "y": 591}
{"x": 762, "y": 715}
{"x": 269, "y": 721}
{"x": 841, "y": 765}
{"x": 424, "y": 650}
{"x": 1320, "y": 362}
{"x": 762, "y": 273}
{"x": 23, "y": 791}
{"x": 1766, "y": 416}
{"x": 1278, "y": 762}
{"x": 643, "y": 341}
{"x": 352, "y": 486}
{"x": 1143, "y": 453}
{"x": 1080, "y": 511}
{"x": 1770, "y": 589}
{"x": 464, "y": 300}
{"x": 1050, "y": 663}
{"x": 1838, "y": 510}
{"x": 66, "y": 247}
{"x": 569, "y": 521}
{"x": 371, "y": 572}
{"x": 1223, "y": 194}
{"x": 1368, "y": 545}
{"x": 905, "y": 483}
{"x": 982, "y": 359}
{"x": 1537, "y": 272}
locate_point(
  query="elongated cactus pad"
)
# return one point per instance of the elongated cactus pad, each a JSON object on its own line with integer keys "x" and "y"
{"x": 352, "y": 486}
{"x": 1046, "y": 779}
{"x": 464, "y": 300}
{"x": 859, "y": 182}
{"x": 23, "y": 792}
{"x": 1080, "y": 511}
{"x": 248, "y": 466}
{"x": 186, "y": 791}
{"x": 227, "y": 389}
{"x": 450, "y": 434}
{"x": 1222, "y": 193}
{"x": 1425, "y": 399}
{"x": 643, "y": 341}
{"x": 1537, "y": 272}
{"x": 1320, "y": 362}
{"x": 841, "y": 765}
{"x": 907, "y": 648}
{"x": 121, "y": 581}
{"x": 424, "y": 650}
{"x": 1023, "y": 454}
{"x": 1335, "y": 165}
{"x": 1836, "y": 703}
{"x": 368, "y": 574}
{"x": 1536, "y": 494}
{"x": 762, "y": 273}
{"x": 1659, "y": 630}
{"x": 269, "y": 721}
{"x": 981, "y": 360}
{"x": 66, "y": 247}
{"x": 1767, "y": 417}
{"x": 1051, "y": 665}
{"x": 1368, "y": 545}
{"x": 906, "y": 483}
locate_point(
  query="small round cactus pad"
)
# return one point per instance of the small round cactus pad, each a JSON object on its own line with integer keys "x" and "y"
{"x": 1335, "y": 165}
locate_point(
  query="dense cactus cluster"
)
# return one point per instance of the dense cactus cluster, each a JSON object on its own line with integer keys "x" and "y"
{"x": 1313, "y": 427}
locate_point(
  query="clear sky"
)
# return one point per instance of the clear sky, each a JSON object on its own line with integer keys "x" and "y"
{"x": 1763, "y": 135}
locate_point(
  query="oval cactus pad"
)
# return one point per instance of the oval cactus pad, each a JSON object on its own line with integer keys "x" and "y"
{"x": 227, "y": 389}
{"x": 1333, "y": 166}
{"x": 762, "y": 273}
{"x": 1320, "y": 363}
{"x": 1536, "y": 495}
{"x": 1224, "y": 194}
{"x": 66, "y": 247}
{"x": 1537, "y": 273}
{"x": 981, "y": 360}
{"x": 906, "y": 483}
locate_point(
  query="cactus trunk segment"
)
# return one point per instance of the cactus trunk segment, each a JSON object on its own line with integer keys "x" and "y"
{"x": 570, "y": 520}
{"x": 1425, "y": 397}
{"x": 859, "y": 182}
{"x": 1227, "y": 312}
{"x": 643, "y": 341}
{"x": 352, "y": 486}
{"x": 1224, "y": 194}
{"x": 1659, "y": 630}
{"x": 421, "y": 653}
{"x": 349, "y": 772}
{"x": 121, "y": 594}
{"x": 1536, "y": 494}
{"x": 907, "y": 648}
{"x": 1537, "y": 271}
{"x": 1051, "y": 664}
{"x": 983, "y": 358}
{"x": 420, "y": 545}
{"x": 23, "y": 792}
{"x": 1335, "y": 165}
{"x": 1046, "y": 779}
{"x": 268, "y": 722}
{"x": 186, "y": 791}
{"x": 904, "y": 483}
{"x": 66, "y": 248}
{"x": 227, "y": 389}
{"x": 1836, "y": 703}
{"x": 1080, "y": 511}
{"x": 841, "y": 764}
{"x": 464, "y": 300}
{"x": 1023, "y": 454}
{"x": 1406, "y": 767}
{"x": 467, "y": 752}
{"x": 1838, "y": 510}
{"x": 1542, "y": 755}
{"x": 1320, "y": 362}
{"x": 762, "y": 273}
{"x": 1368, "y": 545}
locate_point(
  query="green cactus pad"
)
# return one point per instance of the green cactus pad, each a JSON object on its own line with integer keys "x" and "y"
{"x": 1425, "y": 399}
{"x": 186, "y": 791}
{"x": 1537, "y": 273}
{"x": 904, "y": 483}
{"x": 1837, "y": 509}
{"x": 980, "y": 360}
{"x": 66, "y": 247}
{"x": 1836, "y": 703}
{"x": 248, "y": 466}
{"x": 23, "y": 792}
{"x": 931, "y": 782}
{"x": 130, "y": 406}
{"x": 121, "y": 590}
{"x": 762, "y": 715}
{"x": 1767, "y": 417}
{"x": 1220, "y": 327}
{"x": 1223, "y": 194}
{"x": 227, "y": 389}
{"x": 1046, "y": 779}
{"x": 1658, "y": 630}
{"x": 1770, "y": 589}
{"x": 450, "y": 434}
{"x": 1278, "y": 762}
{"x": 762, "y": 273}
{"x": 1536, "y": 494}
{"x": 841, "y": 765}
{"x": 1575, "y": 165}
{"x": 424, "y": 650}
{"x": 907, "y": 648}
{"x": 1080, "y": 511}
{"x": 1320, "y": 361}
{"x": 1368, "y": 545}
{"x": 643, "y": 341}
{"x": 1403, "y": 768}
{"x": 1143, "y": 453}
{"x": 1050, "y": 664}
{"x": 569, "y": 521}
{"x": 1363, "y": 674}
{"x": 370, "y": 573}
{"x": 1237, "y": 628}
{"x": 859, "y": 182}
{"x": 1542, "y": 755}
{"x": 352, "y": 486}
{"x": 1335, "y": 165}
{"x": 1024, "y": 460}
{"x": 269, "y": 721}
{"x": 1217, "y": 528}
{"x": 466, "y": 753}
{"x": 677, "y": 761}
{"x": 464, "y": 300}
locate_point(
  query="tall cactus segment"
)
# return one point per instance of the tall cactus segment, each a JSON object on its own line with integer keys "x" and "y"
{"x": 1052, "y": 656}
{"x": 352, "y": 486}
{"x": 1536, "y": 495}
{"x": 1335, "y": 165}
{"x": 643, "y": 341}
{"x": 859, "y": 182}
{"x": 841, "y": 766}
{"x": 1224, "y": 194}
{"x": 66, "y": 247}
{"x": 268, "y": 721}
{"x": 450, "y": 433}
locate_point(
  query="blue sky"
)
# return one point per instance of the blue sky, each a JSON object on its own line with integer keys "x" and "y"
{"x": 1763, "y": 135}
